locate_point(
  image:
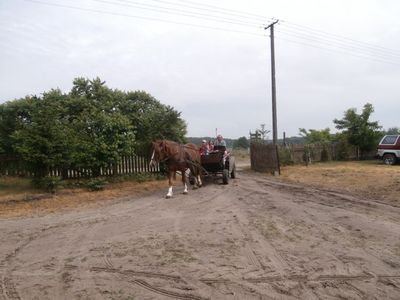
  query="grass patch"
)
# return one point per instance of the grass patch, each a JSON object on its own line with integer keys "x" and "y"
{"x": 368, "y": 178}
{"x": 19, "y": 198}
{"x": 16, "y": 185}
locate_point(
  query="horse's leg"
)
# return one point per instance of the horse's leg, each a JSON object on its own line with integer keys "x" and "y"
{"x": 169, "y": 195}
{"x": 199, "y": 182}
{"x": 185, "y": 190}
{"x": 193, "y": 173}
{"x": 196, "y": 174}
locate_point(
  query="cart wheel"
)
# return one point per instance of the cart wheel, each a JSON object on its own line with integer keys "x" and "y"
{"x": 225, "y": 176}
{"x": 233, "y": 173}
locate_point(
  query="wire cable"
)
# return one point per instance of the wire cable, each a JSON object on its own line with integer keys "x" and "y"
{"x": 252, "y": 15}
{"x": 340, "y": 52}
{"x": 180, "y": 12}
{"x": 331, "y": 43}
{"x": 310, "y": 37}
{"x": 335, "y": 36}
{"x": 139, "y": 17}
{"x": 217, "y": 11}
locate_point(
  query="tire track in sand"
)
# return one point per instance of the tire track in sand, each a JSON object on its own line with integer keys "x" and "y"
{"x": 7, "y": 285}
{"x": 131, "y": 276}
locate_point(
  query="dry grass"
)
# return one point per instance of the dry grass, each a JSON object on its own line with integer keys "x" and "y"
{"x": 17, "y": 198}
{"x": 371, "y": 179}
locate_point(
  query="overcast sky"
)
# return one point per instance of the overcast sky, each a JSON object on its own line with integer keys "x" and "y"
{"x": 216, "y": 78}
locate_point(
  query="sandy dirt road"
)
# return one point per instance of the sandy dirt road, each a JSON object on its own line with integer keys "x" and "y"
{"x": 255, "y": 238}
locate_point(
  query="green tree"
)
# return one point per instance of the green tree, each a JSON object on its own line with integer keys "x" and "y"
{"x": 392, "y": 131}
{"x": 358, "y": 129}
{"x": 13, "y": 115}
{"x": 313, "y": 136}
{"x": 90, "y": 127}
{"x": 152, "y": 120}
{"x": 102, "y": 133}
{"x": 241, "y": 143}
{"x": 40, "y": 134}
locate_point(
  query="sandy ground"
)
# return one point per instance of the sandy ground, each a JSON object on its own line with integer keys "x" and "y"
{"x": 256, "y": 238}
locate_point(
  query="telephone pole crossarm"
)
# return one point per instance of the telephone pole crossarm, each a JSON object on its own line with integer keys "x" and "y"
{"x": 272, "y": 24}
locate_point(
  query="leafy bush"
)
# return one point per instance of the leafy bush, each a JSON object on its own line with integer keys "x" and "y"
{"x": 48, "y": 183}
{"x": 285, "y": 158}
{"x": 141, "y": 177}
{"x": 96, "y": 184}
{"x": 90, "y": 127}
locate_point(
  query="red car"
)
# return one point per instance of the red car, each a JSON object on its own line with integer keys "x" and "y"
{"x": 389, "y": 149}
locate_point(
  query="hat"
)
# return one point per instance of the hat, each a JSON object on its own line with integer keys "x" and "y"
{"x": 204, "y": 141}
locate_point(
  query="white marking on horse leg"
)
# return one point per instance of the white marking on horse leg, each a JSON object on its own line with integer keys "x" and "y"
{"x": 169, "y": 195}
{"x": 199, "y": 180}
{"x": 185, "y": 190}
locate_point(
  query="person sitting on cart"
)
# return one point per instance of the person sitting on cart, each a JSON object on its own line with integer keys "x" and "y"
{"x": 220, "y": 141}
{"x": 210, "y": 146}
{"x": 204, "y": 148}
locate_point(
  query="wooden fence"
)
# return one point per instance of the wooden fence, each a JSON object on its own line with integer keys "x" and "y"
{"x": 264, "y": 158}
{"x": 128, "y": 165}
{"x": 299, "y": 153}
{"x": 313, "y": 152}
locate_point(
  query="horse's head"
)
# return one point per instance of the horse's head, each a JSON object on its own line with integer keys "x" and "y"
{"x": 158, "y": 152}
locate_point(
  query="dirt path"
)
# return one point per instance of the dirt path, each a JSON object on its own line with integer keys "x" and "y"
{"x": 256, "y": 238}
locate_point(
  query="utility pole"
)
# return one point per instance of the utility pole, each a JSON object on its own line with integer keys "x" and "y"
{"x": 274, "y": 116}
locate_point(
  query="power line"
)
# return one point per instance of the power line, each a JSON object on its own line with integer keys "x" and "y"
{"x": 262, "y": 18}
{"x": 140, "y": 17}
{"x": 180, "y": 12}
{"x": 310, "y": 37}
{"x": 328, "y": 42}
{"x": 336, "y": 36}
{"x": 340, "y": 52}
{"x": 217, "y": 11}
{"x": 301, "y": 27}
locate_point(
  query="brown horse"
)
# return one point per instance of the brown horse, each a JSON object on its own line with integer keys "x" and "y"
{"x": 177, "y": 157}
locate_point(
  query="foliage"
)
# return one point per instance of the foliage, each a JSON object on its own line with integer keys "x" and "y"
{"x": 90, "y": 127}
{"x": 241, "y": 143}
{"x": 151, "y": 119}
{"x": 48, "y": 183}
{"x": 285, "y": 157}
{"x": 358, "y": 129}
{"x": 342, "y": 147}
{"x": 96, "y": 184}
{"x": 391, "y": 131}
{"x": 40, "y": 134}
{"x": 313, "y": 136}
{"x": 102, "y": 133}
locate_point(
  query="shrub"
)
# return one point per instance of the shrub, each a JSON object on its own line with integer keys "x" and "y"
{"x": 141, "y": 177}
{"x": 285, "y": 158}
{"x": 48, "y": 183}
{"x": 96, "y": 184}
{"x": 342, "y": 150}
